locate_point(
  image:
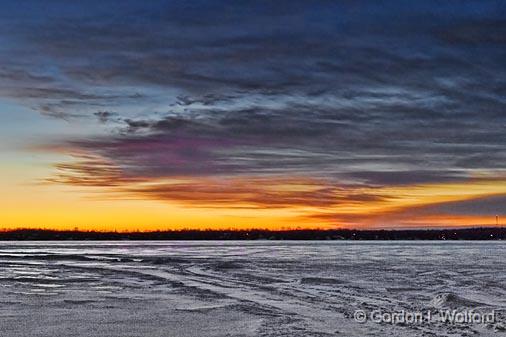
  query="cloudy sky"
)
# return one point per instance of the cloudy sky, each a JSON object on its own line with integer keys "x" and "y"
{"x": 220, "y": 114}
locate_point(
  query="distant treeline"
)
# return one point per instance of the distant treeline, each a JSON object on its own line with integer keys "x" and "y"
{"x": 341, "y": 234}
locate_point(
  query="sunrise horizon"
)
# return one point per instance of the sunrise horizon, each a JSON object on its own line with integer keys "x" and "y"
{"x": 144, "y": 121}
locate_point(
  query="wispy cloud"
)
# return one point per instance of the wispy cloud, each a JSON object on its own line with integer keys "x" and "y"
{"x": 349, "y": 95}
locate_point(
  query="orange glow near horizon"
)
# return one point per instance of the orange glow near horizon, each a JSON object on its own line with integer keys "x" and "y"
{"x": 243, "y": 203}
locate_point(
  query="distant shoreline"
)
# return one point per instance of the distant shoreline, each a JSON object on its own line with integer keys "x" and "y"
{"x": 485, "y": 233}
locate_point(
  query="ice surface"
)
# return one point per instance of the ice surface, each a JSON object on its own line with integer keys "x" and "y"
{"x": 259, "y": 288}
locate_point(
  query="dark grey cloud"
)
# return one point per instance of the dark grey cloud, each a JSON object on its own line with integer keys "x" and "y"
{"x": 363, "y": 92}
{"x": 489, "y": 206}
{"x": 105, "y": 116}
{"x": 476, "y": 32}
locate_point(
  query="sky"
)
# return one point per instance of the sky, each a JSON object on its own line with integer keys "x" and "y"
{"x": 142, "y": 115}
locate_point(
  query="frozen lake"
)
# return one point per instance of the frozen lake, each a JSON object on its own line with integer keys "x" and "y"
{"x": 253, "y": 288}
